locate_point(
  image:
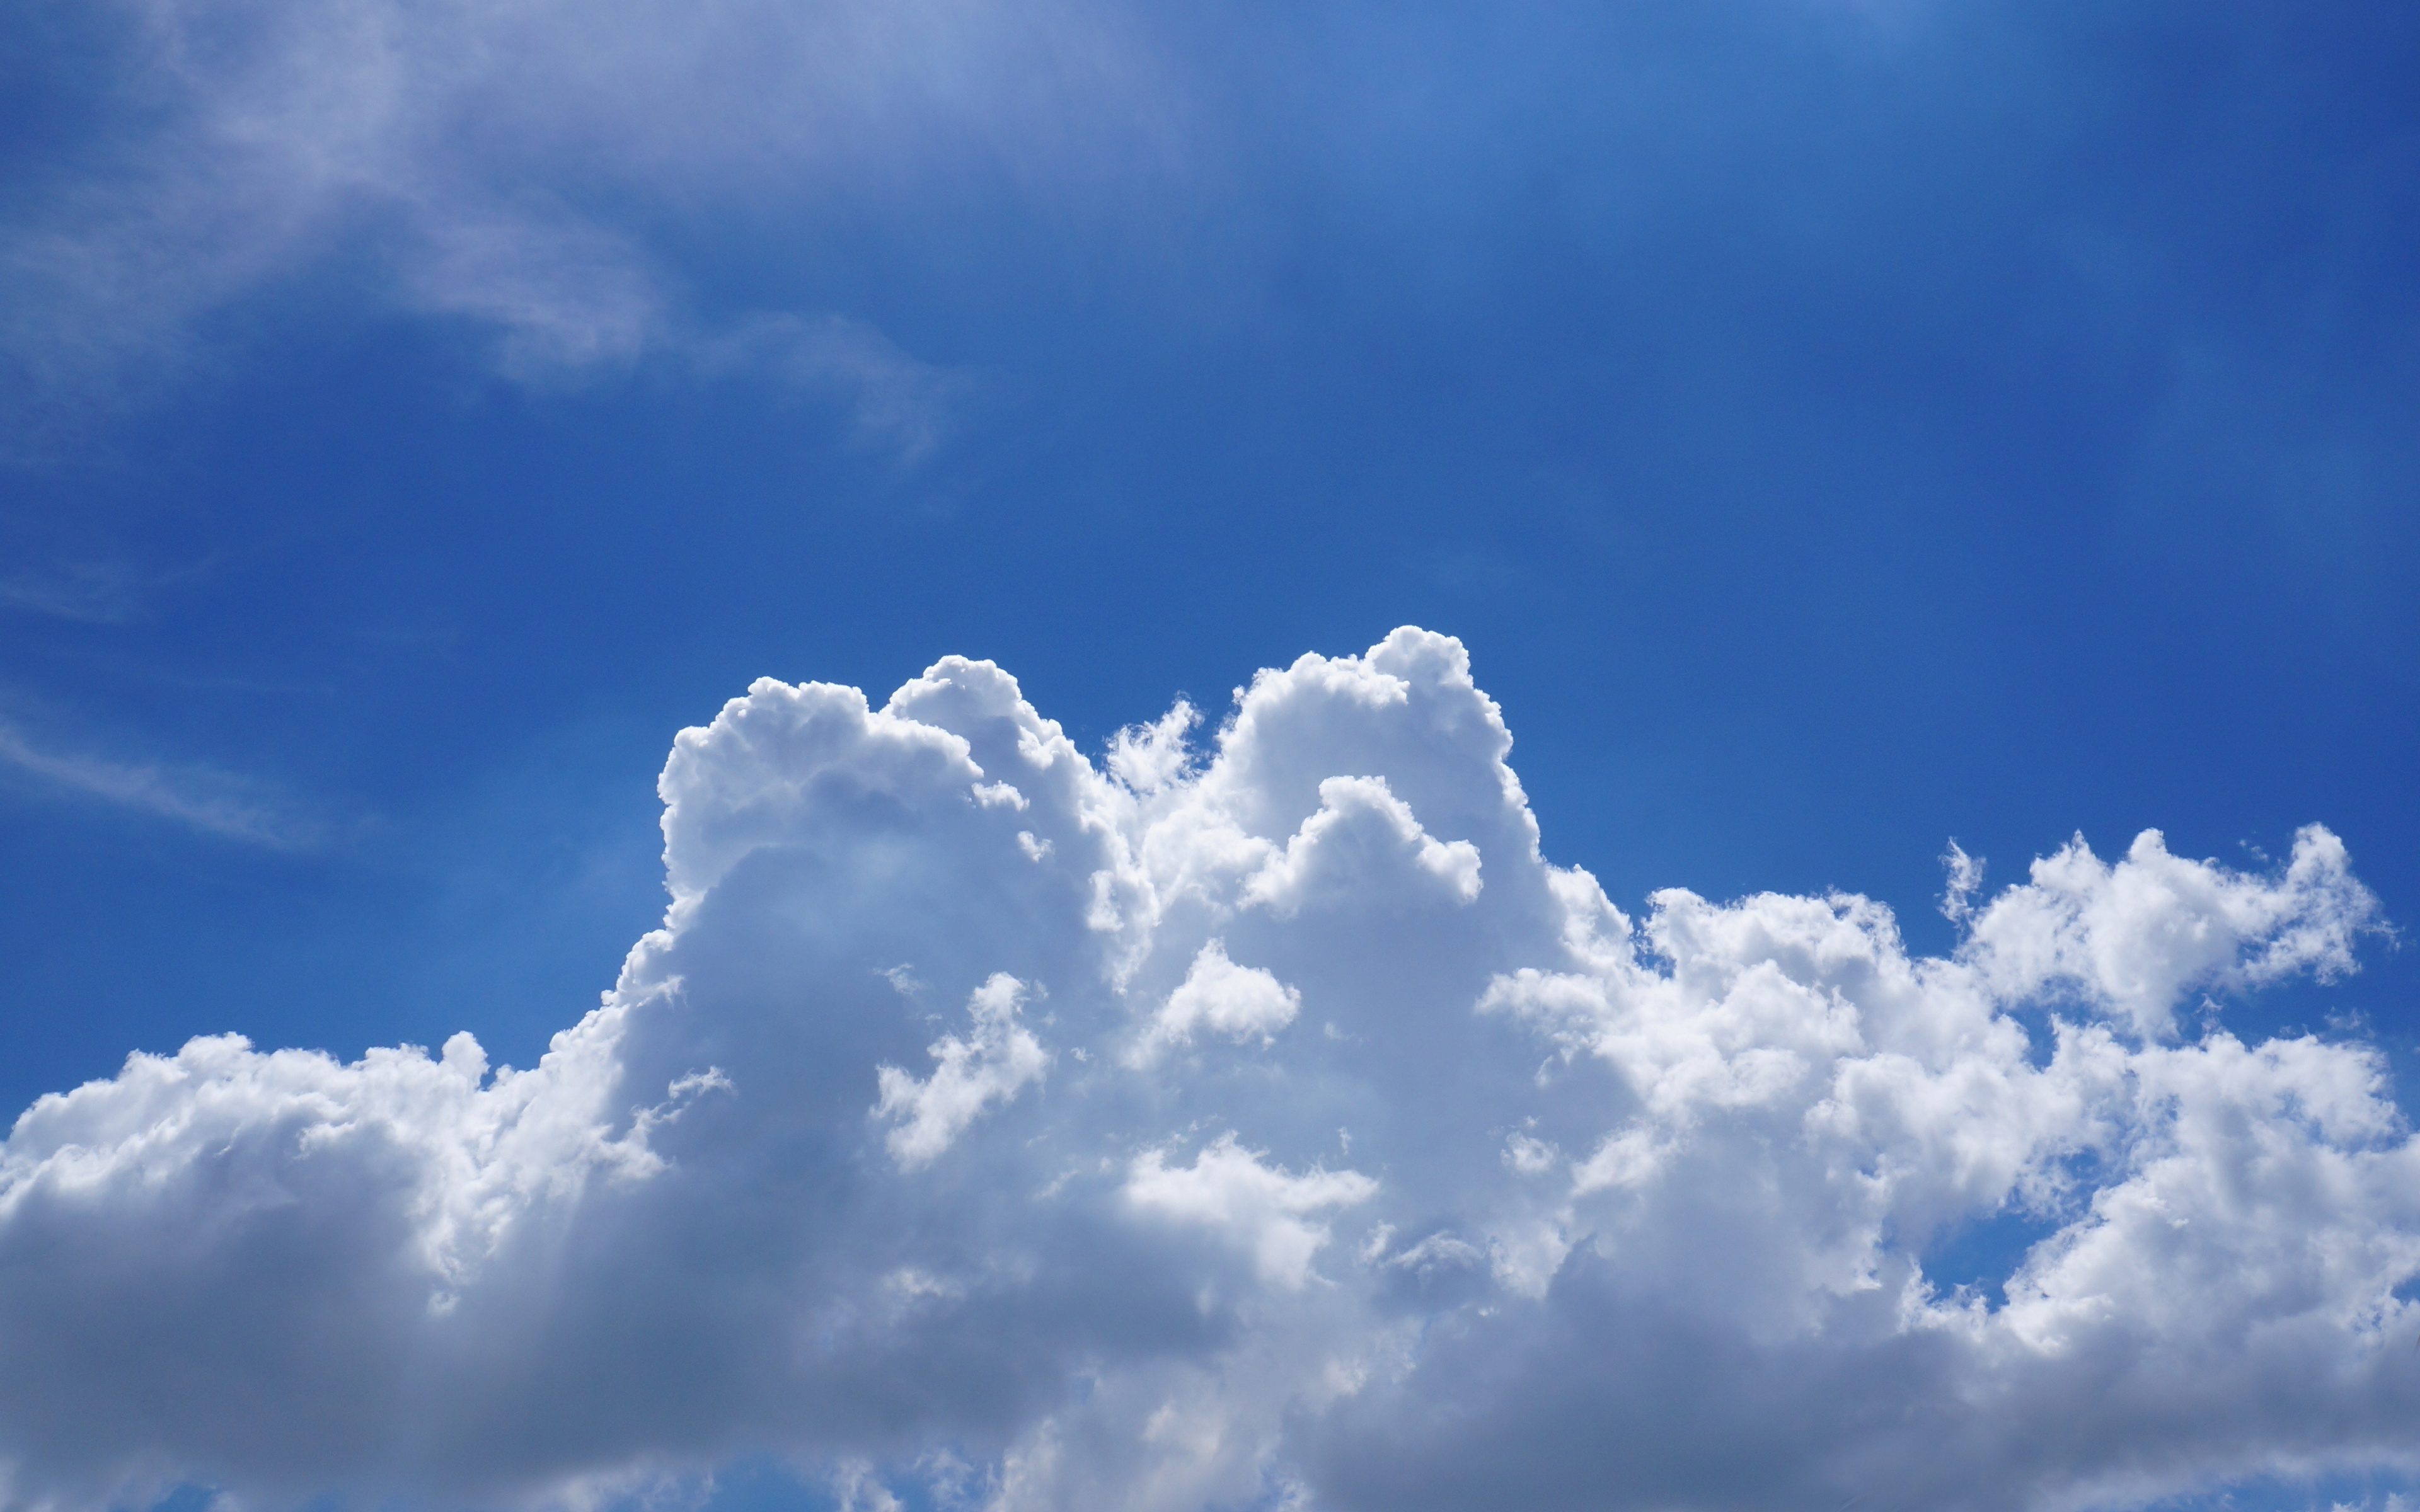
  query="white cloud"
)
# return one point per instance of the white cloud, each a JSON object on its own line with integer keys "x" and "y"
{"x": 1633, "y": 1213}
{"x": 895, "y": 401}
{"x": 1362, "y": 834}
{"x": 1239, "y": 1002}
{"x": 2136, "y": 936}
{"x": 1149, "y": 756}
{"x": 214, "y": 802}
{"x": 1258, "y": 1207}
{"x": 526, "y": 168}
{"x": 88, "y": 592}
{"x": 1965, "y": 880}
{"x": 988, "y": 1066}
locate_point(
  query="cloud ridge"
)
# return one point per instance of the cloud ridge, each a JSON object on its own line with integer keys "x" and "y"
{"x": 1305, "y": 1138}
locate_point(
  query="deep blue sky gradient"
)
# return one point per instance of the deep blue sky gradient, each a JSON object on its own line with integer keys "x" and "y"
{"x": 1833, "y": 430}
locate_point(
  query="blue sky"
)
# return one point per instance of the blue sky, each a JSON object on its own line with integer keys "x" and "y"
{"x": 1832, "y": 429}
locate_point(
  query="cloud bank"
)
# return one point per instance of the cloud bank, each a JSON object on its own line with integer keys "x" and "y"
{"x": 1259, "y": 1121}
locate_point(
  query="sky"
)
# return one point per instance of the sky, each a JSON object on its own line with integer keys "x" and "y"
{"x": 1825, "y": 447}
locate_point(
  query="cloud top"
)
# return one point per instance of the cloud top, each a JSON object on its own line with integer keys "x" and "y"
{"x": 1260, "y": 1122}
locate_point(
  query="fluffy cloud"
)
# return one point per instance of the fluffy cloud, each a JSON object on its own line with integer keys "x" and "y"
{"x": 1266, "y": 1123}
{"x": 974, "y": 1072}
{"x": 1240, "y": 1002}
{"x": 1229, "y": 1191}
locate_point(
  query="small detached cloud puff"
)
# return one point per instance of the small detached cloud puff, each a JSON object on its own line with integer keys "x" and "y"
{"x": 1259, "y": 1121}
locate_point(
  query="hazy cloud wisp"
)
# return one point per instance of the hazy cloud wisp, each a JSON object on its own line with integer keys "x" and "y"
{"x": 515, "y": 166}
{"x": 214, "y": 802}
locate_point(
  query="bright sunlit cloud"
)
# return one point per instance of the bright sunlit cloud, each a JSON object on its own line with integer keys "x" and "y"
{"x": 1259, "y": 1121}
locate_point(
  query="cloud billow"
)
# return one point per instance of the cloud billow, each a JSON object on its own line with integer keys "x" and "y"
{"x": 1260, "y": 1122}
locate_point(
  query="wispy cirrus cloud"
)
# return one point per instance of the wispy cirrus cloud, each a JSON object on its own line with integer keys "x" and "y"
{"x": 100, "y": 590}
{"x": 213, "y": 802}
{"x": 893, "y": 401}
{"x": 510, "y": 167}
{"x": 84, "y": 591}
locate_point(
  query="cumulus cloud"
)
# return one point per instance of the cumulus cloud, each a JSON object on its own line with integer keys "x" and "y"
{"x": 988, "y": 1066}
{"x": 1240, "y": 1002}
{"x": 2135, "y": 935}
{"x": 1260, "y": 1208}
{"x": 1260, "y": 1123}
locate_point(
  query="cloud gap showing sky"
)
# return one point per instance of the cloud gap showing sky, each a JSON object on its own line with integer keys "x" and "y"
{"x": 1254, "y": 1117}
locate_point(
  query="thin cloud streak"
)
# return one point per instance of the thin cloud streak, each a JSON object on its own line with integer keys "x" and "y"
{"x": 895, "y": 402}
{"x": 211, "y": 802}
{"x": 83, "y": 594}
{"x": 96, "y": 592}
